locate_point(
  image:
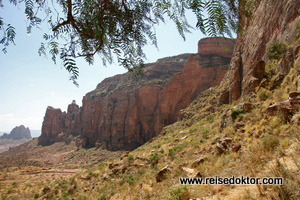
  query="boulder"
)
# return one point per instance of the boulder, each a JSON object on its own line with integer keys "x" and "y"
{"x": 288, "y": 107}
{"x": 189, "y": 171}
{"x": 198, "y": 161}
{"x": 235, "y": 147}
{"x": 161, "y": 175}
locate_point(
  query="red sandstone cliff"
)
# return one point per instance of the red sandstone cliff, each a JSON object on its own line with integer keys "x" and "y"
{"x": 271, "y": 21}
{"x": 124, "y": 112}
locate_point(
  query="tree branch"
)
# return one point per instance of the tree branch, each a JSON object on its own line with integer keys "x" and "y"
{"x": 91, "y": 54}
{"x": 60, "y": 25}
{"x": 124, "y": 5}
{"x": 72, "y": 21}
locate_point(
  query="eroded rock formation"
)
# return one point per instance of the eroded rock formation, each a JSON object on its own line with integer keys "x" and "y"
{"x": 124, "y": 112}
{"x": 271, "y": 21}
{"x": 18, "y": 133}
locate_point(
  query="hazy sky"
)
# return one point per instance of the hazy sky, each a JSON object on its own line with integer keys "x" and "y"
{"x": 29, "y": 83}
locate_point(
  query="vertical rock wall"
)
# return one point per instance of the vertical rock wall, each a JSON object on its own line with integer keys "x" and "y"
{"x": 271, "y": 21}
{"x": 124, "y": 112}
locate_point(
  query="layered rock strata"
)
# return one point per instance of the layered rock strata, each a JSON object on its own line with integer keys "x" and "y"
{"x": 124, "y": 112}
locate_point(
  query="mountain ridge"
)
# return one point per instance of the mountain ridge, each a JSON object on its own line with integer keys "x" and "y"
{"x": 124, "y": 112}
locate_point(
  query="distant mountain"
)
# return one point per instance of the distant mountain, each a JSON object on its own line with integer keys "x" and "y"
{"x": 18, "y": 133}
{"x": 17, "y": 136}
{"x": 34, "y": 133}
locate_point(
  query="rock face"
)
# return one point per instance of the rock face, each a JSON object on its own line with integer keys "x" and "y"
{"x": 124, "y": 112}
{"x": 271, "y": 21}
{"x": 18, "y": 133}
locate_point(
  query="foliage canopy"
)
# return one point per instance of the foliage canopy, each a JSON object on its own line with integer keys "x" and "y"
{"x": 83, "y": 28}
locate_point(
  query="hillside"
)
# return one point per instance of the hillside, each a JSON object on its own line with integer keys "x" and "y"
{"x": 238, "y": 139}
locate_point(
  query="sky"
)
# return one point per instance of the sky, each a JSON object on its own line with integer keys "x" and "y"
{"x": 29, "y": 83}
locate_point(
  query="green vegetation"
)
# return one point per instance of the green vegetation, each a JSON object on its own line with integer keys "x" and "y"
{"x": 179, "y": 193}
{"x": 235, "y": 113}
{"x": 175, "y": 149}
{"x": 205, "y": 132}
{"x": 154, "y": 158}
{"x": 270, "y": 70}
{"x": 36, "y": 195}
{"x": 263, "y": 94}
{"x": 298, "y": 27}
{"x": 130, "y": 158}
{"x": 92, "y": 174}
{"x": 276, "y": 50}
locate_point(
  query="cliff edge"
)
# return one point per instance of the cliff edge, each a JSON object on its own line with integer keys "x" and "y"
{"x": 124, "y": 112}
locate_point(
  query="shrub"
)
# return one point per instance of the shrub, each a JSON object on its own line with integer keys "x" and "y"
{"x": 130, "y": 158}
{"x": 127, "y": 178}
{"x": 36, "y": 195}
{"x": 270, "y": 69}
{"x": 192, "y": 130}
{"x": 205, "y": 132}
{"x": 156, "y": 146}
{"x": 141, "y": 171}
{"x": 270, "y": 142}
{"x": 171, "y": 153}
{"x": 154, "y": 158}
{"x": 263, "y": 94}
{"x": 235, "y": 113}
{"x": 91, "y": 174}
{"x": 101, "y": 167}
{"x": 298, "y": 27}
{"x": 179, "y": 193}
{"x": 173, "y": 150}
{"x": 276, "y": 50}
{"x": 102, "y": 197}
{"x": 130, "y": 179}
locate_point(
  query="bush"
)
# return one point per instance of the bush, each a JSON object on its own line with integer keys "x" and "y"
{"x": 263, "y": 94}
{"x": 235, "y": 113}
{"x": 130, "y": 158}
{"x": 270, "y": 70}
{"x": 91, "y": 174}
{"x": 130, "y": 179}
{"x": 101, "y": 167}
{"x": 205, "y": 132}
{"x": 175, "y": 149}
{"x": 270, "y": 142}
{"x": 276, "y": 51}
{"x": 102, "y": 197}
{"x": 298, "y": 27}
{"x": 154, "y": 158}
{"x": 156, "y": 146}
{"x": 36, "y": 195}
{"x": 180, "y": 193}
{"x": 127, "y": 179}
